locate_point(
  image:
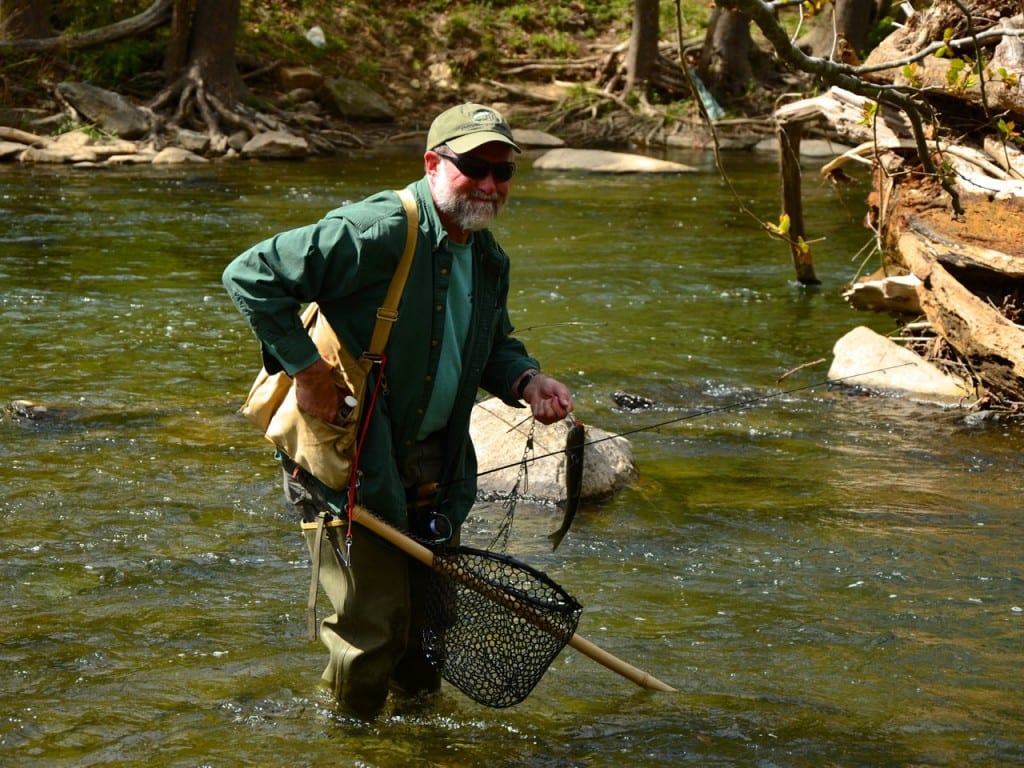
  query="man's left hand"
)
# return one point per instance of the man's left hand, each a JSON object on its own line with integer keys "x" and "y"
{"x": 549, "y": 399}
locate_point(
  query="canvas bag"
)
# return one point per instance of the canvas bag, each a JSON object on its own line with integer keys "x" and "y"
{"x": 329, "y": 451}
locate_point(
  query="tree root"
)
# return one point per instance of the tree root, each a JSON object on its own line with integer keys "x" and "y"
{"x": 198, "y": 109}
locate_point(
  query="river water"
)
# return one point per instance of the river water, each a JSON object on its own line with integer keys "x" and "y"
{"x": 827, "y": 578}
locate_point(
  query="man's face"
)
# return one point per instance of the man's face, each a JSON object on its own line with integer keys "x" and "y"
{"x": 465, "y": 202}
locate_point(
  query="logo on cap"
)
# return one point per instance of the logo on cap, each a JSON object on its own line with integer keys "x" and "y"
{"x": 487, "y": 117}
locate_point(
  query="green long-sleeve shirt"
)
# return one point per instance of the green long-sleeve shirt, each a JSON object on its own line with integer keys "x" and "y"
{"x": 345, "y": 263}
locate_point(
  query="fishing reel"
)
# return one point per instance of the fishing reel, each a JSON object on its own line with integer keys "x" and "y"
{"x": 431, "y": 527}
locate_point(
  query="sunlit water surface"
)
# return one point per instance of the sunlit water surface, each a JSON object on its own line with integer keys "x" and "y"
{"x": 828, "y": 579}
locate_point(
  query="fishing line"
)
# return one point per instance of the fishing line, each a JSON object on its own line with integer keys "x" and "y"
{"x": 575, "y": 323}
{"x": 705, "y": 412}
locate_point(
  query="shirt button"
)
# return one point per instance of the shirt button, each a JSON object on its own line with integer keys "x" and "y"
{"x": 428, "y": 377}
{"x": 439, "y": 307}
{"x": 434, "y": 342}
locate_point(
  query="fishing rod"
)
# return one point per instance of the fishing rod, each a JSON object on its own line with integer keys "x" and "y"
{"x": 705, "y": 412}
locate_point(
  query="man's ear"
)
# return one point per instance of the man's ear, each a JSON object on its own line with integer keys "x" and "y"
{"x": 430, "y": 161}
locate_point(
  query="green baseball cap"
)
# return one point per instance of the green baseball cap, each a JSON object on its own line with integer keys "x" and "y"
{"x": 467, "y": 126}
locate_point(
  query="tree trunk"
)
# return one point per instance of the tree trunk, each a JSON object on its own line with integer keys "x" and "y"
{"x": 725, "y": 58}
{"x": 850, "y": 22}
{"x": 202, "y": 72}
{"x": 176, "y": 55}
{"x": 203, "y": 47}
{"x": 24, "y": 19}
{"x": 642, "y": 58}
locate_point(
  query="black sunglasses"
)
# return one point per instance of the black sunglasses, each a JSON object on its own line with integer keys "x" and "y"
{"x": 477, "y": 169}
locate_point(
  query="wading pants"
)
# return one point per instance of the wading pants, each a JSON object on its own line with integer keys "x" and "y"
{"x": 373, "y": 637}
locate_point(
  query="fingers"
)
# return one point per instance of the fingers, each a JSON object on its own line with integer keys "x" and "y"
{"x": 315, "y": 391}
{"x": 553, "y": 407}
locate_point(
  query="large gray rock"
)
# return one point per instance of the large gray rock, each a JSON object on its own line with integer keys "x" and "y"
{"x": 108, "y": 110}
{"x": 499, "y": 435}
{"x": 353, "y": 100}
{"x": 603, "y": 161}
{"x": 276, "y": 145}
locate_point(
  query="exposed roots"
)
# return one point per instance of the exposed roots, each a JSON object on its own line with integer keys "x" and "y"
{"x": 198, "y": 109}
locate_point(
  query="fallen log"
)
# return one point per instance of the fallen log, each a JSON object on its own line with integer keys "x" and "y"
{"x": 991, "y": 344}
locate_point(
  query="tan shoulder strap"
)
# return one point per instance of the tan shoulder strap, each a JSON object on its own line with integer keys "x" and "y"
{"x": 387, "y": 314}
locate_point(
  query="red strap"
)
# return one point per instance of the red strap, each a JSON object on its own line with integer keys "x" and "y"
{"x": 354, "y": 476}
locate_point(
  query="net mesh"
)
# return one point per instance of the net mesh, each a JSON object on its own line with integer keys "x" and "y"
{"x": 494, "y": 624}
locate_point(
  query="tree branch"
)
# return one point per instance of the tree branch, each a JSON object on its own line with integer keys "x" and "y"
{"x": 844, "y": 76}
{"x": 156, "y": 15}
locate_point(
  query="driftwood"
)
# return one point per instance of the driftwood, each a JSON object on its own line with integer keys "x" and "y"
{"x": 992, "y": 346}
{"x": 955, "y": 237}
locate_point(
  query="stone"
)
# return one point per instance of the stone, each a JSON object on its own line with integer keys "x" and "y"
{"x": 528, "y": 137}
{"x": 603, "y": 161}
{"x": 293, "y": 97}
{"x": 109, "y": 111}
{"x": 73, "y": 139}
{"x": 864, "y": 358}
{"x": 176, "y": 155}
{"x": 499, "y": 434}
{"x": 353, "y": 100}
{"x": 294, "y": 78}
{"x": 277, "y": 145}
{"x": 139, "y": 158}
{"x": 237, "y": 140}
{"x": 109, "y": 149}
{"x": 193, "y": 141}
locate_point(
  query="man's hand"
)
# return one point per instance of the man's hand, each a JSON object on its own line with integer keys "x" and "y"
{"x": 549, "y": 399}
{"x": 315, "y": 391}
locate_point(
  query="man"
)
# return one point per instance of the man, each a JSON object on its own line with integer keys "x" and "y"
{"x": 451, "y": 338}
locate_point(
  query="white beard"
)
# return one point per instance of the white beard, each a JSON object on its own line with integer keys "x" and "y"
{"x": 471, "y": 212}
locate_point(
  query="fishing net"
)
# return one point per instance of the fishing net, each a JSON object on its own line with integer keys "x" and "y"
{"x": 494, "y": 624}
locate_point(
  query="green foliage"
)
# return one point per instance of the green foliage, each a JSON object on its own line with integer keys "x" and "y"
{"x": 111, "y": 65}
{"x": 881, "y": 30}
{"x": 945, "y": 51}
{"x": 522, "y": 16}
{"x": 1008, "y": 79}
{"x": 913, "y": 76}
{"x": 869, "y": 114}
{"x": 1008, "y": 131}
{"x": 368, "y": 71}
{"x": 556, "y": 44}
{"x": 459, "y": 25}
{"x": 69, "y": 16}
{"x": 960, "y": 75}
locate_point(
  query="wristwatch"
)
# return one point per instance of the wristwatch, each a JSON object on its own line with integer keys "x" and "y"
{"x": 523, "y": 382}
